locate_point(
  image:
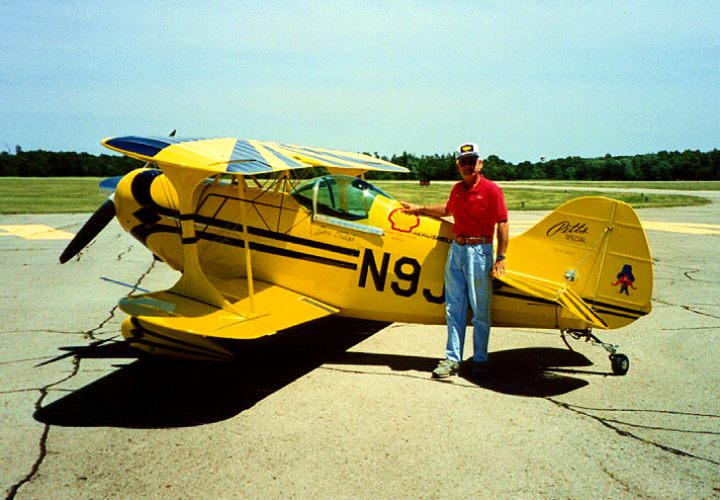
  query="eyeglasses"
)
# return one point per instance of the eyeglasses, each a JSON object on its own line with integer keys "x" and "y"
{"x": 469, "y": 160}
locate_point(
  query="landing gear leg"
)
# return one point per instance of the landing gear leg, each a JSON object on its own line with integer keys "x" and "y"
{"x": 619, "y": 363}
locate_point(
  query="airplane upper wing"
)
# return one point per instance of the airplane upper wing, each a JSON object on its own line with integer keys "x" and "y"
{"x": 241, "y": 156}
{"x": 271, "y": 308}
{"x": 555, "y": 292}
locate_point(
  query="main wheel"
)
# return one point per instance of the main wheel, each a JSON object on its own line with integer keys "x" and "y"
{"x": 620, "y": 364}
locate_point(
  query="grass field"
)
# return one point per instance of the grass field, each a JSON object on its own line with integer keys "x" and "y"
{"x": 537, "y": 199}
{"x": 667, "y": 185}
{"x": 37, "y": 195}
{"x": 29, "y": 195}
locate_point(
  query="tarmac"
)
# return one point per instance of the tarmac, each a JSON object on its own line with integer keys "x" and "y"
{"x": 347, "y": 409}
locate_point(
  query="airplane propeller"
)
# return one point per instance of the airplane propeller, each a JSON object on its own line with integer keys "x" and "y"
{"x": 90, "y": 229}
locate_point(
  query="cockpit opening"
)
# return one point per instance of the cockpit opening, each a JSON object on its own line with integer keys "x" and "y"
{"x": 341, "y": 196}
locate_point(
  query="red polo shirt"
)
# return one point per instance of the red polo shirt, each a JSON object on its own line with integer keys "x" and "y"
{"x": 477, "y": 210}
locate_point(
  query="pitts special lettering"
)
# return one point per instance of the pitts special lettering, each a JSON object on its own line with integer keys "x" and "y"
{"x": 407, "y": 270}
{"x": 572, "y": 232}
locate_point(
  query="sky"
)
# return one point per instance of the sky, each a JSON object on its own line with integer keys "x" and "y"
{"x": 522, "y": 79}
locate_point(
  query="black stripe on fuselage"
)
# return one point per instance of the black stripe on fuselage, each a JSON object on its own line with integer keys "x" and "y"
{"x": 141, "y": 193}
{"x": 284, "y": 252}
{"x": 617, "y": 310}
{"x": 265, "y": 233}
{"x": 598, "y": 307}
{"x": 142, "y": 233}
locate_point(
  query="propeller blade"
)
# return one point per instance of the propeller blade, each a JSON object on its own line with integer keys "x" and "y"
{"x": 90, "y": 230}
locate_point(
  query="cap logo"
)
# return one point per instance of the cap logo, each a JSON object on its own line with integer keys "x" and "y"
{"x": 466, "y": 148}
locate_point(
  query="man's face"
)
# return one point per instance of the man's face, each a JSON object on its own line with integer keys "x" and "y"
{"x": 469, "y": 165}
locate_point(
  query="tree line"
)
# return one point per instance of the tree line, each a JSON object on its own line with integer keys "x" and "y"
{"x": 661, "y": 166}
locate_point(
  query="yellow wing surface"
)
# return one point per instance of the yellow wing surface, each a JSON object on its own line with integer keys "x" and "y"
{"x": 243, "y": 156}
{"x": 184, "y": 326}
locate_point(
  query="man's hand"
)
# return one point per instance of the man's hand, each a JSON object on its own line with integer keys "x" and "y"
{"x": 498, "y": 269}
{"x": 411, "y": 208}
{"x": 437, "y": 211}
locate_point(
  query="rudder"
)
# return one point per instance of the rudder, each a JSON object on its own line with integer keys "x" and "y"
{"x": 596, "y": 246}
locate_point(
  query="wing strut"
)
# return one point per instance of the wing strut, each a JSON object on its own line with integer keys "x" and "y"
{"x": 248, "y": 259}
{"x": 193, "y": 283}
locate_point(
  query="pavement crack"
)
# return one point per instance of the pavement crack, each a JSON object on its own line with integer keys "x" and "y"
{"x": 609, "y": 423}
{"x": 86, "y": 248}
{"x": 12, "y": 492}
{"x": 42, "y": 444}
{"x": 688, "y": 273}
{"x": 91, "y": 333}
{"x": 145, "y": 274}
{"x": 612, "y": 476}
{"x": 687, "y": 308}
{"x": 122, "y": 254}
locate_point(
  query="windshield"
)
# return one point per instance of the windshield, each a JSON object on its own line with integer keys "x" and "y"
{"x": 338, "y": 195}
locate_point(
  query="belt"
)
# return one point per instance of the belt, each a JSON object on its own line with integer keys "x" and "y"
{"x": 472, "y": 240}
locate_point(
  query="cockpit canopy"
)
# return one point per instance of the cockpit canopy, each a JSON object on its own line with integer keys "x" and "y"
{"x": 341, "y": 196}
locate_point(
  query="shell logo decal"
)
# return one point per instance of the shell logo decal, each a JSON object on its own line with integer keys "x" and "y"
{"x": 403, "y": 222}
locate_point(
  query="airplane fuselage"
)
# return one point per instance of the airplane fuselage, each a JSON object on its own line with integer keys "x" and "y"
{"x": 343, "y": 242}
{"x": 387, "y": 266}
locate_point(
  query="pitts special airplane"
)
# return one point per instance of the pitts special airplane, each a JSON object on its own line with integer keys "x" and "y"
{"x": 261, "y": 249}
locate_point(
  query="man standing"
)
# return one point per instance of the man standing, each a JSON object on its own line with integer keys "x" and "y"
{"x": 477, "y": 205}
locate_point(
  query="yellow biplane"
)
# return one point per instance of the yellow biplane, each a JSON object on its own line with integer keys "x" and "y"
{"x": 262, "y": 249}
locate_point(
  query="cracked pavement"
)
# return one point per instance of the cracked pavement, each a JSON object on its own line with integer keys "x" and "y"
{"x": 338, "y": 409}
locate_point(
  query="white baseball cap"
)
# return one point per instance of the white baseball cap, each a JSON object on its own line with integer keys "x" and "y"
{"x": 467, "y": 149}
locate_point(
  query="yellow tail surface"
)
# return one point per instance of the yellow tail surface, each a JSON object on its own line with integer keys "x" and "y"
{"x": 590, "y": 248}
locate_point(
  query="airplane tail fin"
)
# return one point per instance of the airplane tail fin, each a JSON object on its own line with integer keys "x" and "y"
{"x": 591, "y": 248}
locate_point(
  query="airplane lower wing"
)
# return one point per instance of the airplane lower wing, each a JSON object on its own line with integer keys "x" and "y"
{"x": 555, "y": 292}
{"x": 269, "y": 309}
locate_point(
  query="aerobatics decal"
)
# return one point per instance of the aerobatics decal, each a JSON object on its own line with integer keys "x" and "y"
{"x": 625, "y": 279}
{"x": 402, "y": 221}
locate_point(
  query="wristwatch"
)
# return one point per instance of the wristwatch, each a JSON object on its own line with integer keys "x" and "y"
{"x": 499, "y": 257}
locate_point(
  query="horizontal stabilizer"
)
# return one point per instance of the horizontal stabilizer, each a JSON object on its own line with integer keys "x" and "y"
{"x": 271, "y": 309}
{"x": 554, "y": 292}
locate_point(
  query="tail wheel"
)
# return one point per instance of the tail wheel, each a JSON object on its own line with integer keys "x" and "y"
{"x": 620, "y": 364}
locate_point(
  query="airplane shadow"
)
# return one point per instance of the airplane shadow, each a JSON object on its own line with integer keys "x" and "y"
{"x": 156, "y": 393}
{"x": 533, "y": 372}
{"x": 529, "y": 372}
{"x": 160, "y": 393}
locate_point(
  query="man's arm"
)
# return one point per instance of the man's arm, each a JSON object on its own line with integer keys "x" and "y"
{"x": 503, "y": 231}
{"x": 431, "y": 210}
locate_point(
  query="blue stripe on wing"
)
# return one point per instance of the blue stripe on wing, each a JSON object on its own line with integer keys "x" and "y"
{"x": 246, "y": 159}
{"x": 290, "y": 162}
{"x": 145, "y": 146}
{"x": 326, "y": 156}
{"x": 249, "y": 167}
{"x": 323, "y": 157}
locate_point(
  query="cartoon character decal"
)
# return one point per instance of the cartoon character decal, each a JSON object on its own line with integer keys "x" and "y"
{"x": 625, "y": 279}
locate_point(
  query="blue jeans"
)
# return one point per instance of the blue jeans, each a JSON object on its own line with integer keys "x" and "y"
{"x": 467, "y": 282}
